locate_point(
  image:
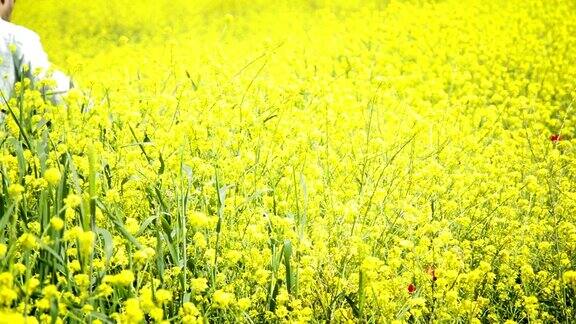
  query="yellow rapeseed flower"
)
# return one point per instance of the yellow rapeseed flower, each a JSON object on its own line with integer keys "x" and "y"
{"x": 52, "y": 176}
{"x": 57, "y": 223}
{"x": 199, "y": 285}
{"x": 28, "y": 241}
{"x": 223, "y": 299}
{"x": 15, "y": 191}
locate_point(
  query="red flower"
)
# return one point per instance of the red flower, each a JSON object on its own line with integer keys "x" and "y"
{"x": 411, "y": 288}
{"x": 555, "y": 137}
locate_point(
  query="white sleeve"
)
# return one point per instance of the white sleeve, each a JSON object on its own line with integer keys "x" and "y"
{"x": 31, "y": 61}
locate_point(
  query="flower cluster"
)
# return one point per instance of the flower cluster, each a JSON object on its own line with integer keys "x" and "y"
{"x": 294, "y": 161}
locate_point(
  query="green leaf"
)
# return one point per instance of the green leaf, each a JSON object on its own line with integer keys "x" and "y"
{"x": 6, "y": 216}
{"x": 52, "y": 252}
{"x": 146, "y": 223}
{"x": 287, "y": 255}
{"x": 108, "y": 242}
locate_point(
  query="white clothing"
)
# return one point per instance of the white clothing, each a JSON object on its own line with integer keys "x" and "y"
{"x": 22, "y": 56}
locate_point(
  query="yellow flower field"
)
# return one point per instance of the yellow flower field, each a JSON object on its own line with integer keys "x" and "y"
{"x": 236, "y": 161}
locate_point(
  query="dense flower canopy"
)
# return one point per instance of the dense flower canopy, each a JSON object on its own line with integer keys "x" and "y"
{"x": 294, "y": 161}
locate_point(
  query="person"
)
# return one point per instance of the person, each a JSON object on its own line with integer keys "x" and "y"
{"x": 22, "y": 56}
